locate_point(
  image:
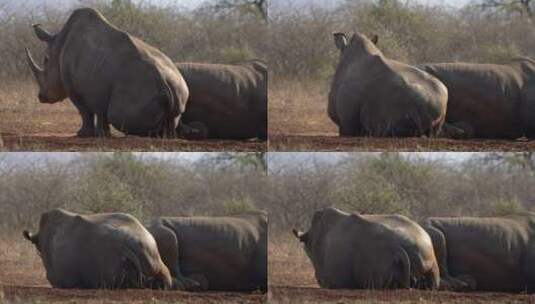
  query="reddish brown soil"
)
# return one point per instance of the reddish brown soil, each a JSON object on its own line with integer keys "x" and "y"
{"x": 288, "y": 294}
{"x": 332, "y": 142}
{"x": 46, "y": 295}
{"x": 31, "y": 126}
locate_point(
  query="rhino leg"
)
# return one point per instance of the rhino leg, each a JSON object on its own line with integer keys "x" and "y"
{"x": 447, "y": 281}
{"x": 88, "y": 125}
{"x": 103, "y": 126}
{"x": 88, "y": 118}
{"x": 529, "y": 268}
{"x": 167, "y": 243}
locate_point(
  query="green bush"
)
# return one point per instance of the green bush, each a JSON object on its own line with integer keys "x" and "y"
{"x": 239, "y": 205}
{"x": 505, "y": 207}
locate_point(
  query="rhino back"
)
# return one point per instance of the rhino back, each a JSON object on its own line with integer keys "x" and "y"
{"x": 485, "y": 95}
{"x": 222, "y": 248}
{"x": 229, "y": 99}
{"x": 89, "y": 251}
{"x": 492, "y": 250}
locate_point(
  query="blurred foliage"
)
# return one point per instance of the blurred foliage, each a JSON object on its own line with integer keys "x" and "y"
{"x": 142, "y": 185}
{"x": 183, "y": 35}
{"x": 480, "y": 184}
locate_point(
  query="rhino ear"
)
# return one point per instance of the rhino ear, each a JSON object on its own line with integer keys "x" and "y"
{"x": 28, "y": 235}
{"x": 375, "y": 39}
{"x": 42, "y": 34}
{"x": 340, "y": 40}
{"x": 300, "y": 235}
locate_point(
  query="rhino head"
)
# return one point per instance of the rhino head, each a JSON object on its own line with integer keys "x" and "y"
{"x": 48, "y": 78}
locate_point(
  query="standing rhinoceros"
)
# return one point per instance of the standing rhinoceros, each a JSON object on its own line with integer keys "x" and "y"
{"x": 228, "y": 100}
{"x": 215, "y": 253}
{"x": 489, "y": 100}
{"x": 356, "y": 251}
{"x": 98, "y": 251}
{"x": 372, "y": 95}
{"x": 112, "y": 75}
{"x": 492, "y": 253}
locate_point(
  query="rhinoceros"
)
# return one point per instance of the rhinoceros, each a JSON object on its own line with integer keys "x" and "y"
{"x": 112, "y": 75}
{"x": 354, "y": 251}
{"x": 227, "y": 100}
{"x": 487, "y": 253}
{"x": 110, "y": 250}
{"x": 372, "y": 95}
{"x": 215, "y": 253}
{"x": 488, "y": 100}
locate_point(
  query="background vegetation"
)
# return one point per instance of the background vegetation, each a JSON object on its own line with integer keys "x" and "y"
{"x": 416, "y": 185}
{"x": 141, "y": 184}
{"x": 216, "y": 31}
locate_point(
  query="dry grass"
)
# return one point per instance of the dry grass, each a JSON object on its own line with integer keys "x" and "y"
{"x": 291, "y": 279}
{"x": 27, "y": 125}
{"x": 288, "y": 264}
{"x": 19, "y": 262}
{"x": 299, "y": 107}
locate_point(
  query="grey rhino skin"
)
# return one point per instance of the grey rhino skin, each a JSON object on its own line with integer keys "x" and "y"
{"x": 354, "y": 251}
{"x": 487, "y": 253}
{"x": 229, "y": 100}
{"x": 488, "y": 100}
{"x": 98, "y": 251}
{"x": 112, "y": 75}
{"x": 372, "y": 95}
{"x": 215, "y": 253}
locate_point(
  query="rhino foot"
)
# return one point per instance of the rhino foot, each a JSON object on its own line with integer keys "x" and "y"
{"x": 458, "y": 130}
{"x": 186, "y": 284}
{"x": 194, "y": 131}
{"x": 460, "y": 283}
{"x": 93, "y": 133}
{"x": 86, "y": 132}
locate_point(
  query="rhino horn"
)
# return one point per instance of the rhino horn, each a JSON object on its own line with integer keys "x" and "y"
{"x": 37, "y": 71}
{"x": 42, "y": 34}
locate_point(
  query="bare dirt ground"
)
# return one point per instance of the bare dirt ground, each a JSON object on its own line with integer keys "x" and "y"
{"x": 291, "y": 279}
{"x": 23, "y": 280}
{"x": 27, "y": 125}
{"x": 298, "y": 121}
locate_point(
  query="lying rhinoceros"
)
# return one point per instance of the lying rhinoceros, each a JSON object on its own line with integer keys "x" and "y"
{"x": 228, "y": 100}
{"x": 215, "y": 253}
{"x": 489, "y": 100}
{"x": 98, "y": 251}
{"x": 354, "y": 251}
{"x": 487, "y": 253}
